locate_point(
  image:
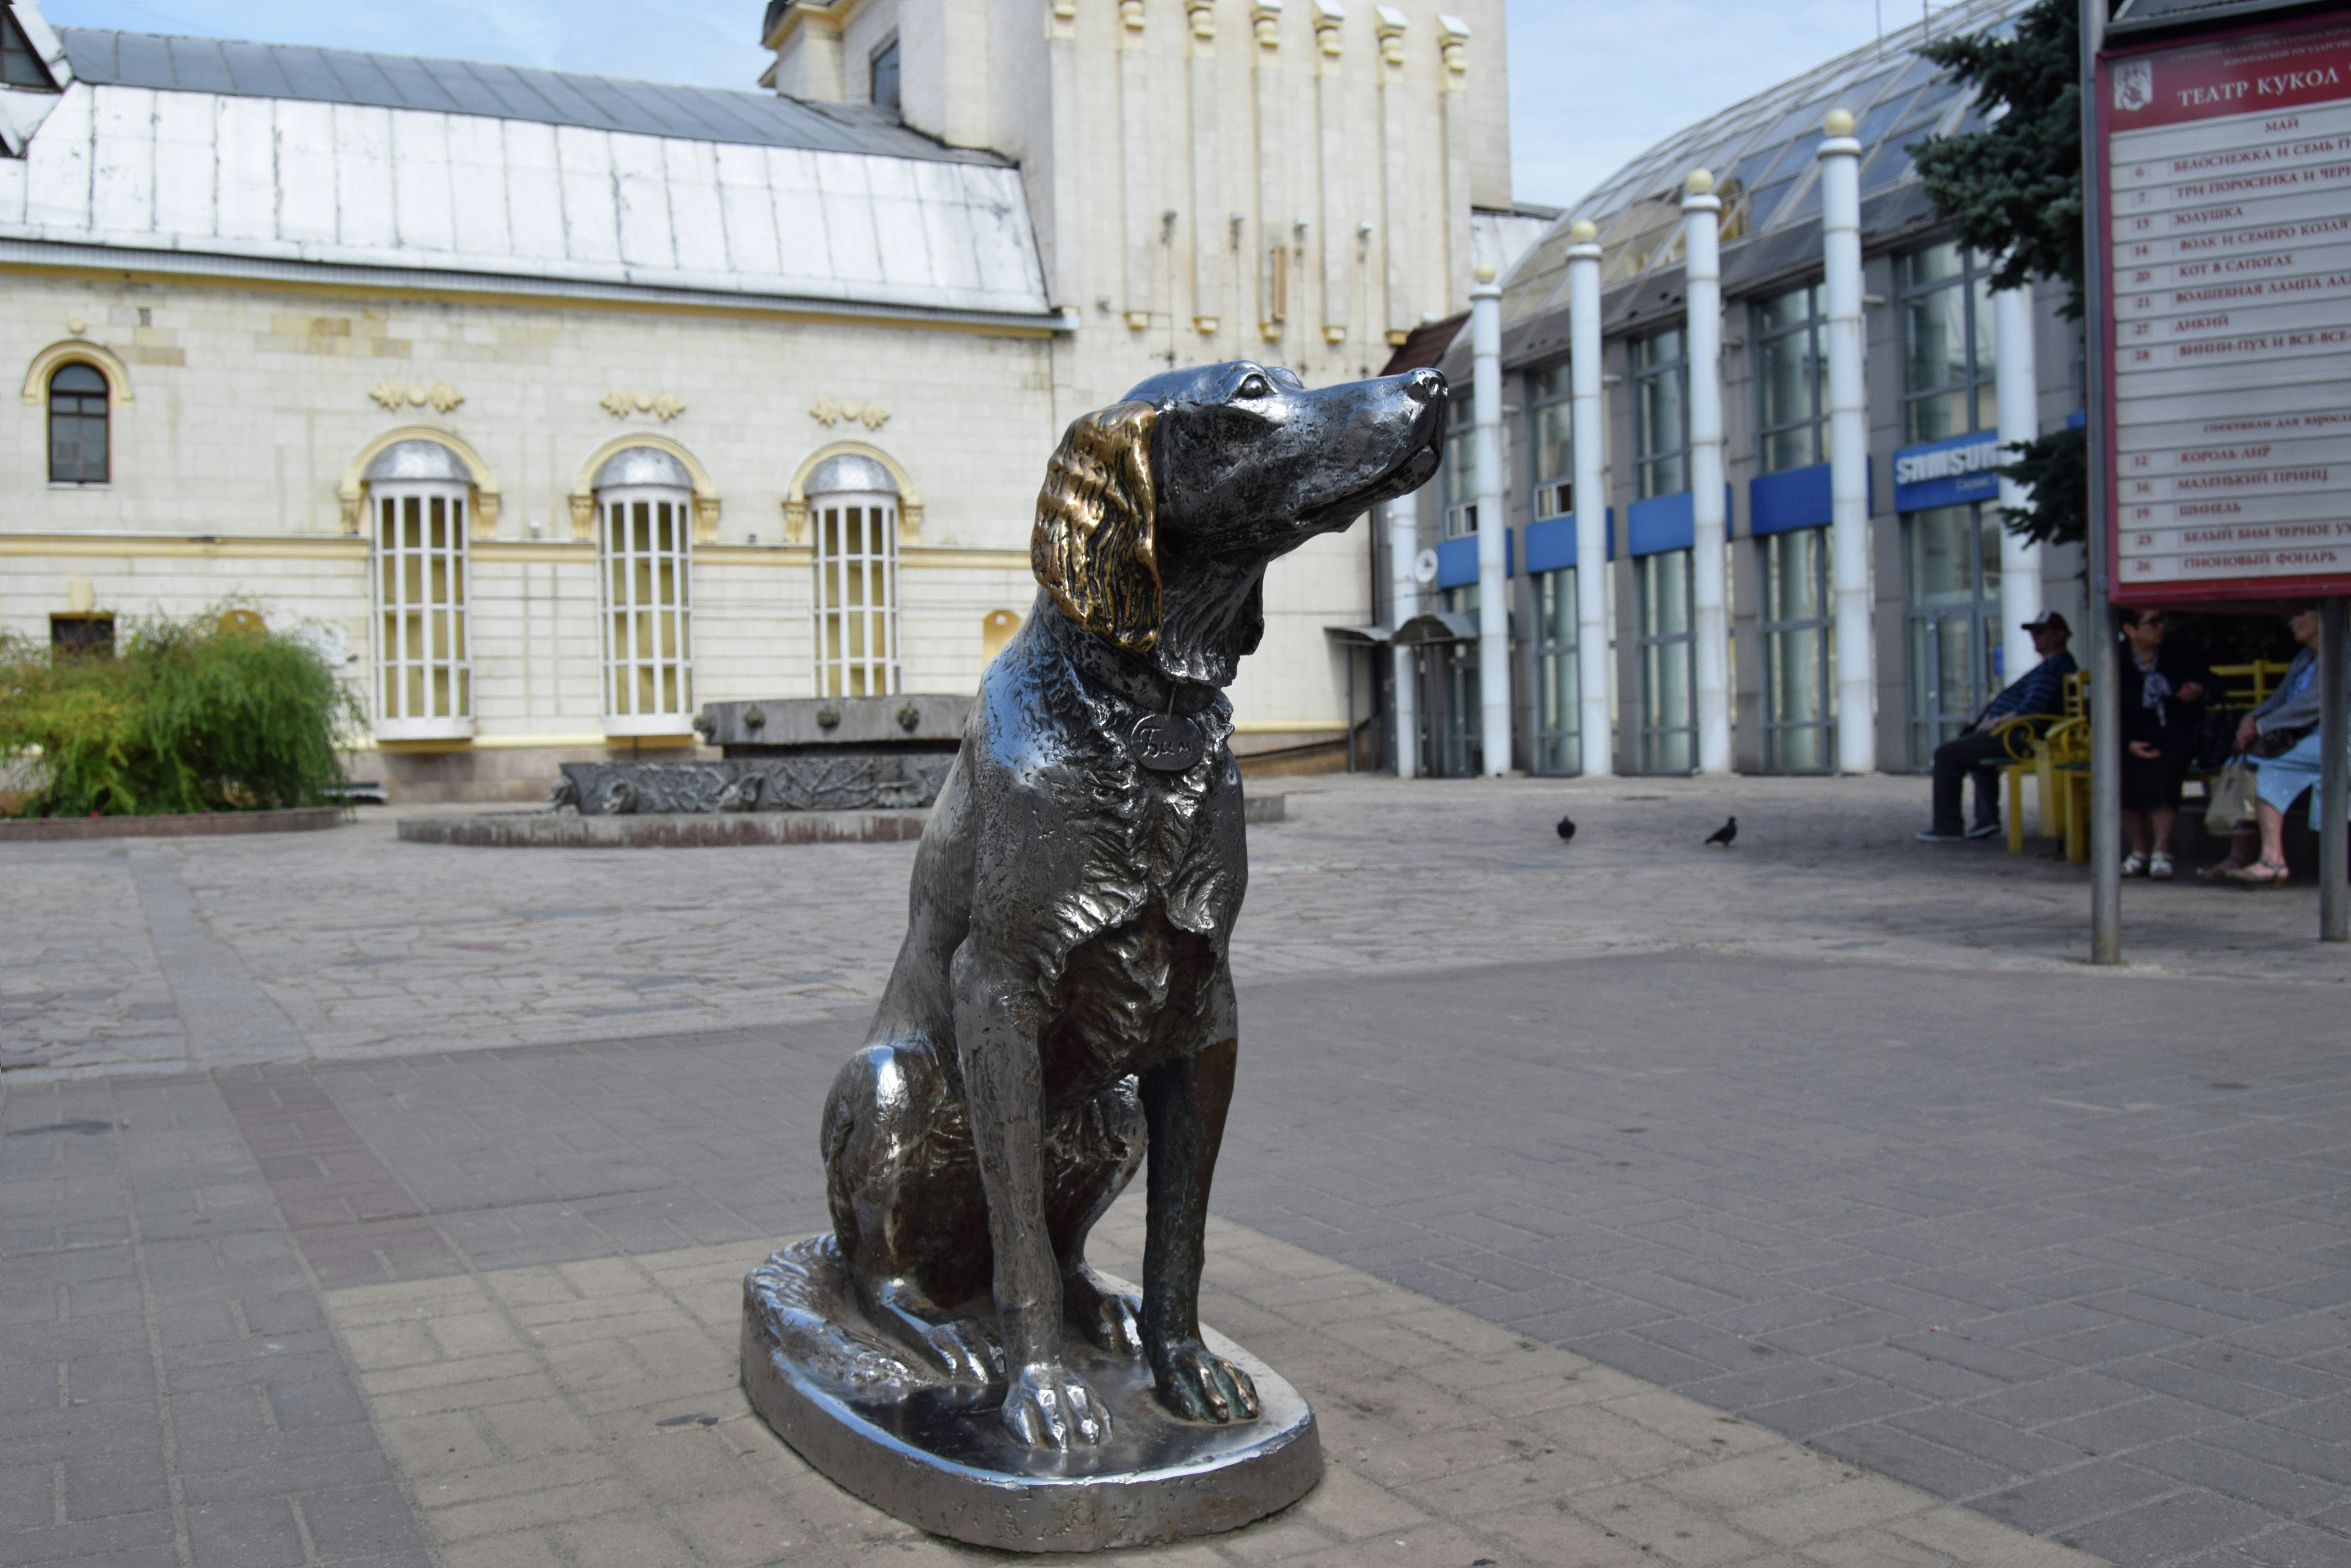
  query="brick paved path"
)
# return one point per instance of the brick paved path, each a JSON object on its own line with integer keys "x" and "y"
{"x": 349, "y": 944}
{"x": 1892, "y": 1176}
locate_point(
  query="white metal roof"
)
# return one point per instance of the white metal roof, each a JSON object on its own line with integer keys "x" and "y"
{"x": 297, "y": 179}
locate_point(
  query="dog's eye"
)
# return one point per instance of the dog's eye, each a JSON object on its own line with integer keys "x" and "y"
{"x": 1256, "y": 386}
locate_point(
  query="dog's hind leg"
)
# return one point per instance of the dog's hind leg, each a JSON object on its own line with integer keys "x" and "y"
{"x": 1092, "y": 1152}
{"x": 903, "y": 1187}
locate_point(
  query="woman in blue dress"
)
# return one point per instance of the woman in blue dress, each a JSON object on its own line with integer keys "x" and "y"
{"x": 2289, "y": 720}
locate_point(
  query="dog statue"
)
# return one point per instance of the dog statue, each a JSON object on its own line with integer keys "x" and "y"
{"x": 1064, "y": 998}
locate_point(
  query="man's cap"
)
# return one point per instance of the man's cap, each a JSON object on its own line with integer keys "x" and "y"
{"x": 2050, "y": 621}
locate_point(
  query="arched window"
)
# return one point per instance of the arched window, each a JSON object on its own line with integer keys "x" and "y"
{"x": 78, "y": 420}
{"x": 852, "y": 508}
{"x": 645, "y": 504}
{"x": 418, "y": 492}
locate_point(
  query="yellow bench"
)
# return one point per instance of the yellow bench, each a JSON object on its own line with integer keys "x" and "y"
{"x": 2059, "y": 757}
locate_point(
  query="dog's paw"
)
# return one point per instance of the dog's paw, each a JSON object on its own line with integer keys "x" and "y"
{"x": 965, "y": 1348}
{"x": 1199, "y": 1387}
{"x": 1047, "y": 1405}
{"x": 1110, "y": 1319}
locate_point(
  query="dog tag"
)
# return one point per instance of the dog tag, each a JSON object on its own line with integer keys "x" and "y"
{"x": 1165, "y": 742}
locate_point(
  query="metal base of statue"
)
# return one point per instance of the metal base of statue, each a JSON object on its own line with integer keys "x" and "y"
{"x": 934, "y": 1453}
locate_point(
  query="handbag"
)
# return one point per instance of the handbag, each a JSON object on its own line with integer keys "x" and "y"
{"x": 2278, "y": 742}
{"x": 2229, "y": 806}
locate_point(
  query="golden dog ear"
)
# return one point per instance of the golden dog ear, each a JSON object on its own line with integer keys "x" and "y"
{"x": 1094, "y": 547}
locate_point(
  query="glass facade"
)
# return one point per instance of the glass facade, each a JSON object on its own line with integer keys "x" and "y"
{"x": 1947, "y": 361}
{"x": 1954, "y": 591}
{"x": 1799, "y": 647}
{"x": 1461, "y": 750}
{"x": 1557, "y": 747}
{"x": 1669, "y": 664}
{"x": 1792, "y": 427}
{"x": 1461, "y": 478}
{"x": 1660, "y": 414}
{"x": 1551, "y": 428}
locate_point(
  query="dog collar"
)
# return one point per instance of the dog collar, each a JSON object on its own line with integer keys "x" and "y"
{"x": 1140, "y": 685}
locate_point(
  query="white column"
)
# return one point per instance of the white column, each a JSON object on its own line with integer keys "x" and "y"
{"x": 1453, "y": 44}
{"x": 1273, "y": 270}
{"x": 1710, "y": 553}
{"x": 2020, "y": 421}
{"x": 1596, "y": 665}
{"x": 1493, "y": 586}
{"x": 1209, "y": 236}
{"x": 1403, "y": 593}
{"x": 1331, "y": 131}
{"x": 1400, "y": 217}
{"x": 1857, "y": 655}
{"x": 1134, "y": 160}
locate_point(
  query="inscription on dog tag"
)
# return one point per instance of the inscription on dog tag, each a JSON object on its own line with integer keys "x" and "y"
{"x": 1166, "y": 742}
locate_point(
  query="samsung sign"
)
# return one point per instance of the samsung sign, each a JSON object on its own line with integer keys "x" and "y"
{"x": 1947, "y": 473}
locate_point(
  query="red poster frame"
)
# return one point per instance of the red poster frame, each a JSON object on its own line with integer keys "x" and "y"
{"x": 2240, "y": 594}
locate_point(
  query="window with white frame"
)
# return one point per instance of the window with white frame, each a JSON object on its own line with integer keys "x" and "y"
{"x": 644, "y": 509}
{"x": 1459, "y": 474}
{"x": 853, "y": 518}
{"x": 1949, "y": 369}
{"x": 419, "y": 497}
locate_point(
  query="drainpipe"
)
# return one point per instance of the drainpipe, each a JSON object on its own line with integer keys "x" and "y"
{"x": 1493, "y": 586}
{"x": 1710, "y": 553}
{"x": 1595, "y": 670}
{"x": 1856, "y": 654}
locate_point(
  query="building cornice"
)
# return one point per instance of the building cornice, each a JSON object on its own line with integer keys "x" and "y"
{"x": 130, "y": 265}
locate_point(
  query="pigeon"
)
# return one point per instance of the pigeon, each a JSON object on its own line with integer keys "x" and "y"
{"x": 1566, "y": 829}
{"x": 1724, "y": 834}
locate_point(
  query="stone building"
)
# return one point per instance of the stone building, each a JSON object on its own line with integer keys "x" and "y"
{"x": 558, "y": 405}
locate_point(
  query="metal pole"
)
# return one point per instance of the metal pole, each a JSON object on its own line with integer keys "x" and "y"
{"x": 2020, "y": 422}
{"x": 1856, "y": 653}
{"x": 2106, "y": 691}
{"x": 1710, "y": 553}
{"x": 1493, "y": 585}
{"x": 2334, "y": 775}
{"x": 1404, "y": 603}
{"x": 1595, "y": 670}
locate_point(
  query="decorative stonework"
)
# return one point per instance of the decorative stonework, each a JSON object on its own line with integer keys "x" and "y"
{"x": 1453, "y": 41}
{"x": 1329, "y": 17}
{"x": 1265, "y": 17}
{"x": 1390, "y": 24}
{"x": 831, "y": 411}
{"x": 440, "y": 396}
{"x": 1202, "y": 15}
{"x": 621, "y": 404}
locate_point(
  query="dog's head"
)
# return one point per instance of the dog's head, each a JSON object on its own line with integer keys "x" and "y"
{"x": 1160, "y": 513}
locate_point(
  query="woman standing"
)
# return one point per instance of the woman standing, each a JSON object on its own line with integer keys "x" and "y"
{"x": 2282, "y": 736}
{"x": 2163, "y": 705}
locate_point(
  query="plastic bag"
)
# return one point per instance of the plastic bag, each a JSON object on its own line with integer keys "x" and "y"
{"x": 2229, "y": 808}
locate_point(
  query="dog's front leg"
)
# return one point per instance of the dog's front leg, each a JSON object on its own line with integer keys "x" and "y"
{"x": 1046, "y": 1406}
{"x": 1184, "y": 1105}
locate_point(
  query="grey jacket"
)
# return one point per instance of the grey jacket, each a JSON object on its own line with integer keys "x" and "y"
{"x": 2300, "y": 712}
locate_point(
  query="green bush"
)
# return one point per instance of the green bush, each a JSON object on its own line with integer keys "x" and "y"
{"x": 190, "y": 716}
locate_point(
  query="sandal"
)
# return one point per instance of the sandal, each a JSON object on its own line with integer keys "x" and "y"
{"x": 2134, "y": 864}
{"x": 2223, "y": 871}
{"x": 2261, "y": 873}
{"x": 2159, "y": 866}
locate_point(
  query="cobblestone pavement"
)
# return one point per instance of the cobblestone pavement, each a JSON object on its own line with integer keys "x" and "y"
{"x": 132, "y": 955}
{"x": 1830, "y": 1134}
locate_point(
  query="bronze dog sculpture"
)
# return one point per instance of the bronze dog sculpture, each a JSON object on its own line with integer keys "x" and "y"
{"x": 1063, "y": 999}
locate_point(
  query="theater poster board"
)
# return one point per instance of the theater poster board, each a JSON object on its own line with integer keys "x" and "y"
{"x": 2227, "y": 161}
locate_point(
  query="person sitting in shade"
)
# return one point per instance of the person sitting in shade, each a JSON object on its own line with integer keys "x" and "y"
{"x": 2041, "y": 690}
{"x": 2281, "y": 737}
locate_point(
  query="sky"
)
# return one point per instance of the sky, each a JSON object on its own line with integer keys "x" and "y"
{"x": 1593, "y": 82}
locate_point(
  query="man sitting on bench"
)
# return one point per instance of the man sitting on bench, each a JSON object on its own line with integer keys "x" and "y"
{"x": 2039, "y": 690}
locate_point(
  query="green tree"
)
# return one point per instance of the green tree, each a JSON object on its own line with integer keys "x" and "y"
{"x": 2014, "y": 190}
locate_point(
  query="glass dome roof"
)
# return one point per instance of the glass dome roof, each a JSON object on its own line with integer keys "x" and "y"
{"x": 1763, "y": 155}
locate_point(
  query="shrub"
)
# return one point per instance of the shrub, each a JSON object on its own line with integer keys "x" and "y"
{"x": 192, "y": 716}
